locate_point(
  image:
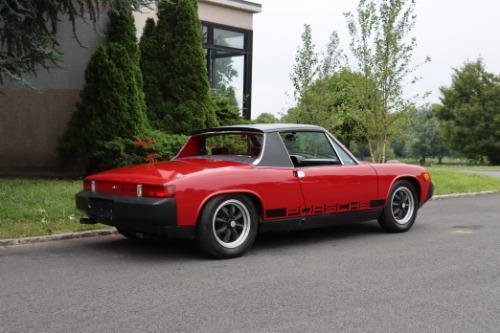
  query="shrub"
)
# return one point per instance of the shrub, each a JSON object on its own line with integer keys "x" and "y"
{"x": 226, "y": 108}
{"x": 153, "y": 146}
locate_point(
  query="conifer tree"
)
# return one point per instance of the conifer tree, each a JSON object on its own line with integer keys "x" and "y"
{"x": 153, "y": 71}
{"x": 183, "y": 79}
{"x": 112, "y": 101}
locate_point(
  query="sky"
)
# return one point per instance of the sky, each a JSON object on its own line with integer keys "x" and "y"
{"x": 448, "y": 31}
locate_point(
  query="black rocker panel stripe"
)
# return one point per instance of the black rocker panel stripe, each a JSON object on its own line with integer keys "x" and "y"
{"x": 377, "y": 203}
{"x": 319, "y": 221}
{"x": 280, "y": 212}
{"x": 319, "y": 210}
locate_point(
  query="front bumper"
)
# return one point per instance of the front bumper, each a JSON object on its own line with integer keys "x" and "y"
{"x": 156, "y": 217}
{"x": 430, "y": 193}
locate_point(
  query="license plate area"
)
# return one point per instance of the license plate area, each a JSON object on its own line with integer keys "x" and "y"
{"x": 100, "y": 209}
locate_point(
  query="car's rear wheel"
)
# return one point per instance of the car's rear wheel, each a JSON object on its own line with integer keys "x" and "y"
{"x": 400, "y": 212}
{"x": 227, "y": 226}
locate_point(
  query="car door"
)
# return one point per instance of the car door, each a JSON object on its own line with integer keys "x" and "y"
{"x": 329, "y": 185}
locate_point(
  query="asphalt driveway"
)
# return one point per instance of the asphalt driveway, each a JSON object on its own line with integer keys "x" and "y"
{"x": 442, "y": 276}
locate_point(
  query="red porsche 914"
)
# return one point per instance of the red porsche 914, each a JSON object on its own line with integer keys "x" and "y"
{"x": 228, "y": 183}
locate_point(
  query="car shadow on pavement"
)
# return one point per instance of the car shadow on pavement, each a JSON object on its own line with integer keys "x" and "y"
{"x": 187, "y": 250}
{"x": 314, "y": 236}
{"x": 148, "y": 249}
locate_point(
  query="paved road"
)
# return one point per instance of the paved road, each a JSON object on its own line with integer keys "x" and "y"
{"x": 492, "y": 173}
{"x": 442, "y": 276}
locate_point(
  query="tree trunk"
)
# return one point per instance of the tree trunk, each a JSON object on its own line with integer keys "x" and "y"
{"x": 370, "y": 148}
{"x": 384, "y": 144}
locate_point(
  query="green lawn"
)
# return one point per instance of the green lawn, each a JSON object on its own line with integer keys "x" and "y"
{"x": 39, "y": 207}
{"x": 44, "y": 207}
{"x": 450, "y": 180}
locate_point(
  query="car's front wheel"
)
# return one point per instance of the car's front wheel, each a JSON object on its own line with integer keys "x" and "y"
{"x": 400, "y": 211}
{"x": 227, "y": 226}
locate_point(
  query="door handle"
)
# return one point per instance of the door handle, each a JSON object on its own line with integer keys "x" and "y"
{"x": 299, "y": 174}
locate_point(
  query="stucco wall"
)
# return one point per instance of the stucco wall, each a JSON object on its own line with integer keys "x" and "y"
{"x": 224, "y": 15}
{"x": 31, "y": 122}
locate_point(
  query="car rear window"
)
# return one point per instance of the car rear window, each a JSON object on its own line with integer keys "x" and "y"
{"x": 232, "y": 144}
{"x": 238, "y": 146}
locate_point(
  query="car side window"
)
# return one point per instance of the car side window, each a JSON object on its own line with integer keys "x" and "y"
{"x": 309, "y": 149}
{"x": 348, "y": 160}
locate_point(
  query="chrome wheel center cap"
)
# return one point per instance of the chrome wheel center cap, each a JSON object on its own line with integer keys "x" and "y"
{"x": 232, "y": 224}
{"x": 403, "y": 205}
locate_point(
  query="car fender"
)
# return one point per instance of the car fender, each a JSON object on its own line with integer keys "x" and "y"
{"x": 231, "y": 191}
{"x": 414, "y": 178}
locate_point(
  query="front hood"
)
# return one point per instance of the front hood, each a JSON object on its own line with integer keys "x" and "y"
{"x": 162, "y": 172}
{"x": 397, "y": 168}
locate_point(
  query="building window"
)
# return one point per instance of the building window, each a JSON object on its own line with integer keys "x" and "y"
{"x": 229, "y": 62}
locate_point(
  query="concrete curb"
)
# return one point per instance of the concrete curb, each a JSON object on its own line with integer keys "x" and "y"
{"x": 112, "y": 231}
{"x": 71, "y": 235}
{"x": 462, "y": 195}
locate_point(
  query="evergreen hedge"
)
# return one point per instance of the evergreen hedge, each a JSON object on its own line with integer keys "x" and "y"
{"x": 111, "y": 107}
{"x": 112, "y": 101}
{"x": 183, "y": 102}
{"x": 152, "y": 68}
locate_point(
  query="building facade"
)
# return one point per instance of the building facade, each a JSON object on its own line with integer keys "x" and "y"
{"x": 31, "y": 122}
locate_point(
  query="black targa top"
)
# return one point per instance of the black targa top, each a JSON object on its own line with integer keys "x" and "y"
{"x": 261, "y": 128}
{"x": 274, "y": 153}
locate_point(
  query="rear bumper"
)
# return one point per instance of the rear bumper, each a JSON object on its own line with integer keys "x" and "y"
{"x": 150, "y": 216}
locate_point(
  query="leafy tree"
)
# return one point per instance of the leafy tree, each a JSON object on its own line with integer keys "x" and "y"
{"x": 266, "y": 118}
{"x": 383, "y": 47}
{"x": 334, "y": 58}
{"x": 306, "y": 64}
{"x": 183, "y": 79}
{"x": 470, "y": 112}
{"x": 335, "y": 103}
{"x": 28, "y": 33}
{"x": 427, "y": 139}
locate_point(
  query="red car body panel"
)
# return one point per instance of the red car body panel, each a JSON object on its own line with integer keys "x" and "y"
{"x": 280, "y": 193}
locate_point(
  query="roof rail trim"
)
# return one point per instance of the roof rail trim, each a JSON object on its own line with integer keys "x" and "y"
{"x": 238, "y": 4}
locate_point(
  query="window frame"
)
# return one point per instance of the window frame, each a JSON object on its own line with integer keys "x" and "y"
{"x": 328, "y": 139}
{"x": 332, "y": 138}
{"x": 246, "y": 52}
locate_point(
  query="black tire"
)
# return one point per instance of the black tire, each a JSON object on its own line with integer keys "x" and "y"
{"x": 127, "y": 234}
{"x": 394, "y": 219}
{"x": 215, "y": 223}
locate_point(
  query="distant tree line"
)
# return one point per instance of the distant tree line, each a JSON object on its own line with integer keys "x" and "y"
{"x": 359, "y": 96}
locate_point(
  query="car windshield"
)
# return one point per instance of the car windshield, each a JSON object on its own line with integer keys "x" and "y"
{"x": 242, "y": 147}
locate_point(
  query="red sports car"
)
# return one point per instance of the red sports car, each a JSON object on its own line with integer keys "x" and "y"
{"x": 228, "y": 183}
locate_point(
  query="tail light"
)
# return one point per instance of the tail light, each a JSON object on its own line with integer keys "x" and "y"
{"x": 155, "y": 191}
{"x": 127, "y": 189}
{"x": 89, "y": 185}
